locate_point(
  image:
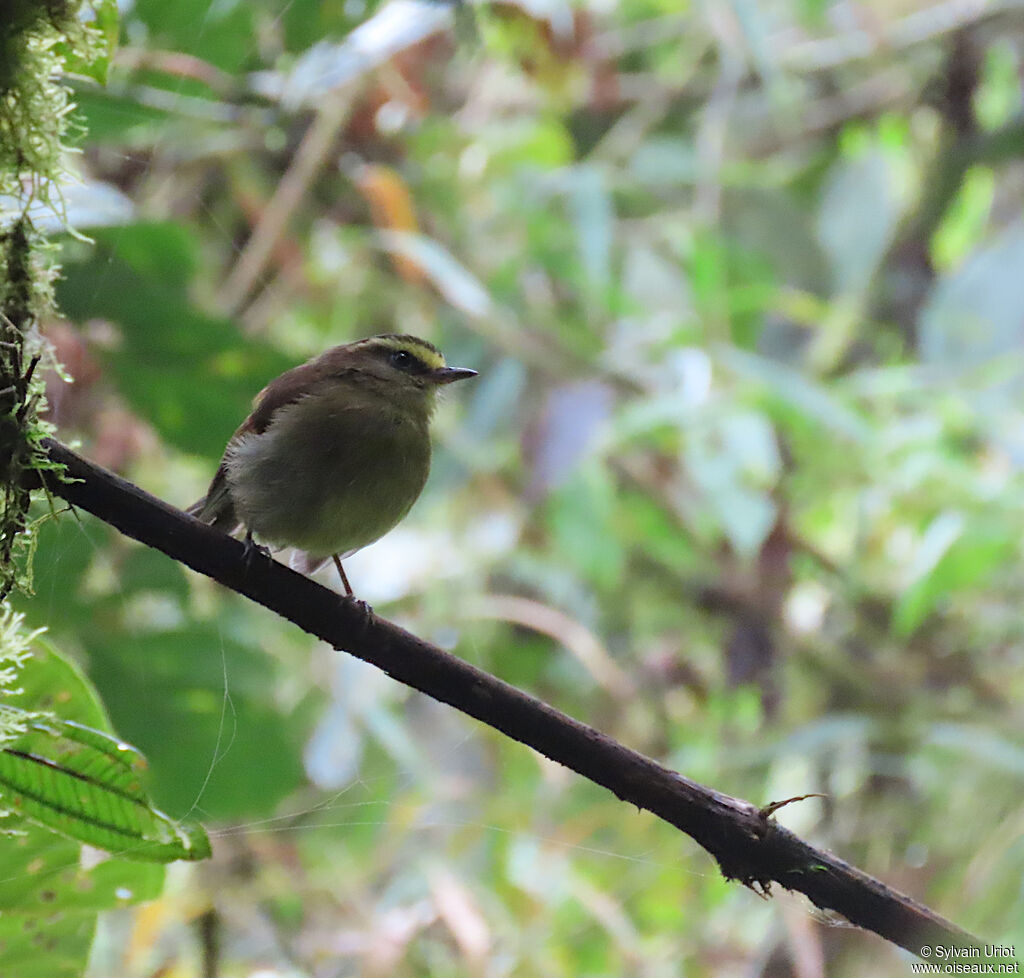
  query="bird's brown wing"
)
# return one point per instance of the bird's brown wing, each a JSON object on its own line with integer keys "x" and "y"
{"x": 217, "y": 507}
{"x": 287, "y": 389}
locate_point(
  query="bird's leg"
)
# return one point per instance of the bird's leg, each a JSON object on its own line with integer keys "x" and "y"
{"x": 253, "y": 550}
{"x": 341, "y": 574}
{"x": 363, "y": 606}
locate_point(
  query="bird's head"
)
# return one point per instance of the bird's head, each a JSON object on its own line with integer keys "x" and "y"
{"x": 401, "y": 367}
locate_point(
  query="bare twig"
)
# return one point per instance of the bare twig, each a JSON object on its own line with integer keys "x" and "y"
{"x": 747, "y": 844}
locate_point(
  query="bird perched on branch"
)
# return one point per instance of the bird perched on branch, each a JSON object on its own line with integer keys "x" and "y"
{"x": 335, "y": 451}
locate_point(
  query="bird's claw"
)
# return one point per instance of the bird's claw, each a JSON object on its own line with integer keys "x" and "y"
{"x": 365, "y": 609}
{"x": 253, "y": 550}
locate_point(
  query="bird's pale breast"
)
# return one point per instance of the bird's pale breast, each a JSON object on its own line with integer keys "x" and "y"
{"x": 329, "y": 477}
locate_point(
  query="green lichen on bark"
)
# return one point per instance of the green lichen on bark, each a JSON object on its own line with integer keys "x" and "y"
{"x": 38, "y": 40}
{"x": 20, "y": 428}
{"x": 15, "y": 647}
{"x": 34, "y": 105}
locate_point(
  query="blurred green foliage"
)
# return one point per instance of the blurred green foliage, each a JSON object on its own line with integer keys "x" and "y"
{"x": 740, "y": 484}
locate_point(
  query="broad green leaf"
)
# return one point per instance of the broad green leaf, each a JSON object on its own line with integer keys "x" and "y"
{"x": 52, "y": 682}
{"x": 199, "y": 704}
{"x": 304, "y": 22}
{"x": 43, "y": 872}
{"x": 52, "y": 946}
{"x": 51, "y": 894}
{"x": 68, "y": 774}
{"x": 85, "y": 784}
{"x": 109, "y": 118}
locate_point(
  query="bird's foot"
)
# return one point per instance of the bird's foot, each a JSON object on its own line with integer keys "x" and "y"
{"x": 253, "y": 551}
{"x": 364, "y": 608}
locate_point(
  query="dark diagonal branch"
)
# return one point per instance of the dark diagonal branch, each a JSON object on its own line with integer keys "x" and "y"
{"x": 747, "y": 844}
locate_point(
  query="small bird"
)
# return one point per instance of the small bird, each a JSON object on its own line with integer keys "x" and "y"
{"x": 334, "y": 452}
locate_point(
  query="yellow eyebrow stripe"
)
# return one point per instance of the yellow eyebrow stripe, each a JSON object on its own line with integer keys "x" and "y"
{"x": 426, "y": 353}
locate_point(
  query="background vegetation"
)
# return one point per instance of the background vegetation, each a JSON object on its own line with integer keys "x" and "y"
{"x": 740, "y": 483}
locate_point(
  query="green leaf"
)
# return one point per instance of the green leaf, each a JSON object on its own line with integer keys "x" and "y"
{"x": 66, "y": 773}
{"x": 50, "y": 899}
{"x": 50, "y": 894}
{"x": 43, "y": 872}
{"x": 109, "y": 118}
{"x": 87, "y": 785}
{"x": 55, "y": 946}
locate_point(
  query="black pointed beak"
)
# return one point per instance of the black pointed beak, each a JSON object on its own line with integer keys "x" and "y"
{"x": 448, "y": 375}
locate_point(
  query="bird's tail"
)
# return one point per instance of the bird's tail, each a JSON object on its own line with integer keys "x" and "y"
{"x": 217, "y": 507}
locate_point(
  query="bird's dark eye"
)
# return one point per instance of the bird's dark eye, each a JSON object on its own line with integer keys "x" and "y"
{"x": 403, "y": 360}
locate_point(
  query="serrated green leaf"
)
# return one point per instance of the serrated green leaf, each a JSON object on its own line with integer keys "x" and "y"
{"x": 86, "y": 785}
{"x": 51, "y": 892}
